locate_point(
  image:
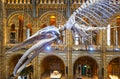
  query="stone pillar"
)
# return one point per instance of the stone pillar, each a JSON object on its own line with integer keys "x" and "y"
{"x": 24, "y": 1}
{"x": 45, "y": 2}
{"x": 41, "y": 2}
{"x": 100, "y": 38}
{"x": 39, "y": 66}
{"x": 12, "y": 1}
{"x": 69, "y": 68}
{"x": 83, "y": 1}
{"x": 28, "y": 1}
{"x": 106, "y": 70}
{"x": 49, "y": 1}
{"x": 35, "y": 68}
{"x": 62, "y": 2}
{"x": 75, "y": 2}
{"x": 79, "y": 2}
{"x": 7, "y": 67}
{"x": 16, "y": 1}
{"x": 68, "y": 8}
{"x": 20, "y": 1}
{"x": 3, "y": 41}
{"x": 116, "y": 37}
{"x": 103, "y": 55}
{"x": 58, "y": 2}
{"x": 53, "y": 2}
{"x": 8, "y": 1}
{"x": 100, "y": 70}
{"x": 34, "y": 8}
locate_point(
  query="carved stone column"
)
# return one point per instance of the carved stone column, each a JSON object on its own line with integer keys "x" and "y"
{"x": 45, "y": 1}
{"x": 69, "y": 68}
{"x": 34, "y": 8}
{"x": 28, "y": 1}
{"x": 8, "y": 1}
{"x": 75, "y": 2}
{"x": 35, "y": 68}
{"x": 16, "y": 1}
{"x": 83, "y": 1}
{"x": 53, "y": 2}
{"x": 103, "y": 55}
{"x": 79, "y": 2}
{"x": 99, "y": 39}
{"x": 3, "y": 32}
{"x": 12, "y": 1}
{"x": 58, "y": 2}
{"x": 116, "y": 37}
{"x": 20, "y": 1}
{"x": 62, "y": 1}
{"x": 49, "y": 1}
{"x": 24, "y": 1}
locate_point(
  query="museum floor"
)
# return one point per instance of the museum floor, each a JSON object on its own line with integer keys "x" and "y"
{"x": 47, "y": 76}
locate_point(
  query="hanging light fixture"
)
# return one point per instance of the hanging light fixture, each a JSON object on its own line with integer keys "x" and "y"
{"x": 91, "y": 48}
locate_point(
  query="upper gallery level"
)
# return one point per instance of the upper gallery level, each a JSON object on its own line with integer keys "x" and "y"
{"x": 19, "y": 24}
{"x": 102, "y": 40}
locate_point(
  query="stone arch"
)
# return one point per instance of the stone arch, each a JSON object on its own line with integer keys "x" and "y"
{"x": 44, "y": 19}
{"x": 13, "y": 16}
{"x": 111, "y": 58}
{"x": 57, "y": 55}
{"x": 113, "y": 67}
{"x": 12, "y": 61}
{"x": 93, "y": 57}
{"x": 85, "y": 66}
{"x": 59, "y": 65}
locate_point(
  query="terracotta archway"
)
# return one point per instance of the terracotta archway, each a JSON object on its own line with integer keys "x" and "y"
{"x": 21, "y": 21}
{"x": 45, "y": 19}
{"x": 12, "y": 18}
{"x": 85, "y": 66}
{"x": 50, "y": 64}
{"x": 114, "y": 68}
{"x": 25, "y": 73}
{"x": 12, "y": 62}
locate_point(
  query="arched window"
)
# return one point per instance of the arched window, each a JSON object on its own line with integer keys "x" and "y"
{"x": 12, "y": 33}
{"x": 53, "y": 20}
{"x": 28, "y": 30}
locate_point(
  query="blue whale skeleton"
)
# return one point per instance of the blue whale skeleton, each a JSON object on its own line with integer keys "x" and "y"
{"x": 97, "y": 14}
